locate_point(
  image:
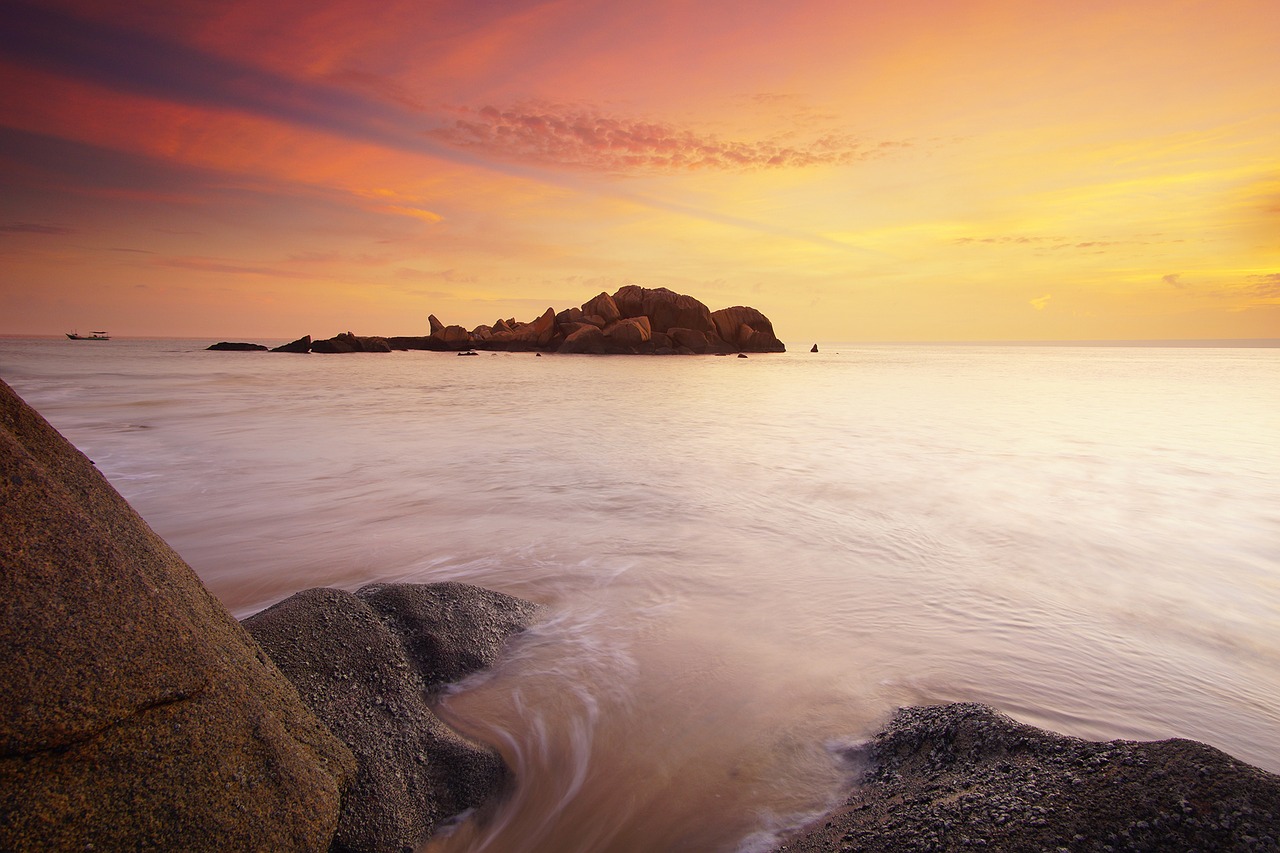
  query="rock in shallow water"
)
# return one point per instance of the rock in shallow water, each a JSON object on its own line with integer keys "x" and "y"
{"x": 138, "y": 714}
{"x": 364, "y": 664}
{"x": 964, "y": 777}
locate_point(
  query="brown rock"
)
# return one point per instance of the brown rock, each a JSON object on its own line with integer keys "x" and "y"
{"x": 690, "y": 339}
{"x": 746, "y": 328}
{"x": 604, "y": 307}
{"x": 344, "y": 342}
{"x": 538, "y": 333}
{"x": 373, "y": 343}
{"x": 628, "y": 335}
{"x": 569, "y": 316}
{"x": 455, "y": 337}
{"x": 301, "y": 345}
{"x": 436, "y": 326}
{"x": 665, "y": 308}
{"x": 585, "y": 339}
{"x": 415, "y": 342}
{"x": 236, "y": 346}
{"x": 138, "y": 714}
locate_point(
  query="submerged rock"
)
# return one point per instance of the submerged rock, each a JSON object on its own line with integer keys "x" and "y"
{"x": 962, "y": 777}
{"x": 364, "y": 663}
{"x": 138, "y": 713}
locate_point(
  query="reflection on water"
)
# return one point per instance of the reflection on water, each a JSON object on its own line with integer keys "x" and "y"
{"x": 747, "y": 562}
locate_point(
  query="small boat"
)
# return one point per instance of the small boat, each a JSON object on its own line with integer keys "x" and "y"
{"x": 95, "y": 336}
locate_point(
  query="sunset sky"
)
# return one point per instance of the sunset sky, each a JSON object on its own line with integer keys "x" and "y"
{"x": 945, "y": 170}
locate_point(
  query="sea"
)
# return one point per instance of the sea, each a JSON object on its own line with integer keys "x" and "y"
{"x": 747, "y": 564}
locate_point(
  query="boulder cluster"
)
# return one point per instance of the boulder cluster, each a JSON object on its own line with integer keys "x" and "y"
{"x": 634, "y": 320}
{"x": 140, "y": 715}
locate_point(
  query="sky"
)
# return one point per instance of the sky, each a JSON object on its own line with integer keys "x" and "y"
{"x": 858, "y": 171}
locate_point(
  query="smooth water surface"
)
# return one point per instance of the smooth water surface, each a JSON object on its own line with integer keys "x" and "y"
{"x": 747, "y": 562}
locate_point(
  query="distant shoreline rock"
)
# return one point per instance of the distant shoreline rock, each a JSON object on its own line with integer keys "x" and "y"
{"x": 963, "y": 776}
{"x": 232, "y": 346}
{"x": 634, "y": 320}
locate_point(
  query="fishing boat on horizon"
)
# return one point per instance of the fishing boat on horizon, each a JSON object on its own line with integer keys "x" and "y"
{"x": 95, "y": 336}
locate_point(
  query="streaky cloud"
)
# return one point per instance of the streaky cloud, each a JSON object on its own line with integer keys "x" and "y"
{"x": 586, "y": 139}
{"x": 128, "y": 60}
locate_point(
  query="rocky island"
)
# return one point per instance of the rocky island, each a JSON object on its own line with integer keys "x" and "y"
{"x": 142, "y": 715}
{"x": 633, "y": 321}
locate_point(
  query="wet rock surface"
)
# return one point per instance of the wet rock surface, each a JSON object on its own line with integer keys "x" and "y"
{"x": 964, "y": 777}
{"x": 365, "y": 664}
{"x": 138, "y": 714}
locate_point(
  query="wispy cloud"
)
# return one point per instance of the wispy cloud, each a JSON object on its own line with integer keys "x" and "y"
{"x": 450, "y": 275}
{"x": 585, "y": 138}
{"x": 1041, "y": 301}
{"x": 34, "y": 228}
{"x": 216, "y": 266}
{"x": 1175, "y": 280}
{"x": 1265, "y": 286}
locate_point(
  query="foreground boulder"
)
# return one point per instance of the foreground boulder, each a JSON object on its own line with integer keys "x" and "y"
{"x": 963, "y": 777}
{"x": 138, "y": 713}
{"x": 365, "y": 664}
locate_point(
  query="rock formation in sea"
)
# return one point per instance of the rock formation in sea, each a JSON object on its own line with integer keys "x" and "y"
{"x": 364, "y": 663}
{"x": 301, "y": 345}
{"x": 634, "y": 320}
{"x": 347, "y": 342}
{"x": 964, "y": 777}
{"x": 236, "y": 346}
{"x": 138, "y": 713}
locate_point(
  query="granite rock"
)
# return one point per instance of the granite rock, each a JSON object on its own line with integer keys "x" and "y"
{"x": 138, "y": 713}
{"x": 964, "y": 777}
{"x": 365, "y": 664}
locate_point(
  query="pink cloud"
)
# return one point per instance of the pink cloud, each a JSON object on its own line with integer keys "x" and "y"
{"x": 587, "y": 139}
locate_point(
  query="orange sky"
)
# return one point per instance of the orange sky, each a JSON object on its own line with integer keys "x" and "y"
{"x": 858, "y": 171}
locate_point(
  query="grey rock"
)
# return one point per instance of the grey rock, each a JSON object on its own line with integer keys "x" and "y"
{"x": 962, "y": 776}
{"x": 364, "y": 663}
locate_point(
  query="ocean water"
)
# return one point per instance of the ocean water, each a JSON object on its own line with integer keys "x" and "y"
{"x": 747, "y": 563}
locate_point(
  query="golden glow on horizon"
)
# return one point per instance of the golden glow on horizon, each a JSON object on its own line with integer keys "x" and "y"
{"x": 934, "y": 170}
